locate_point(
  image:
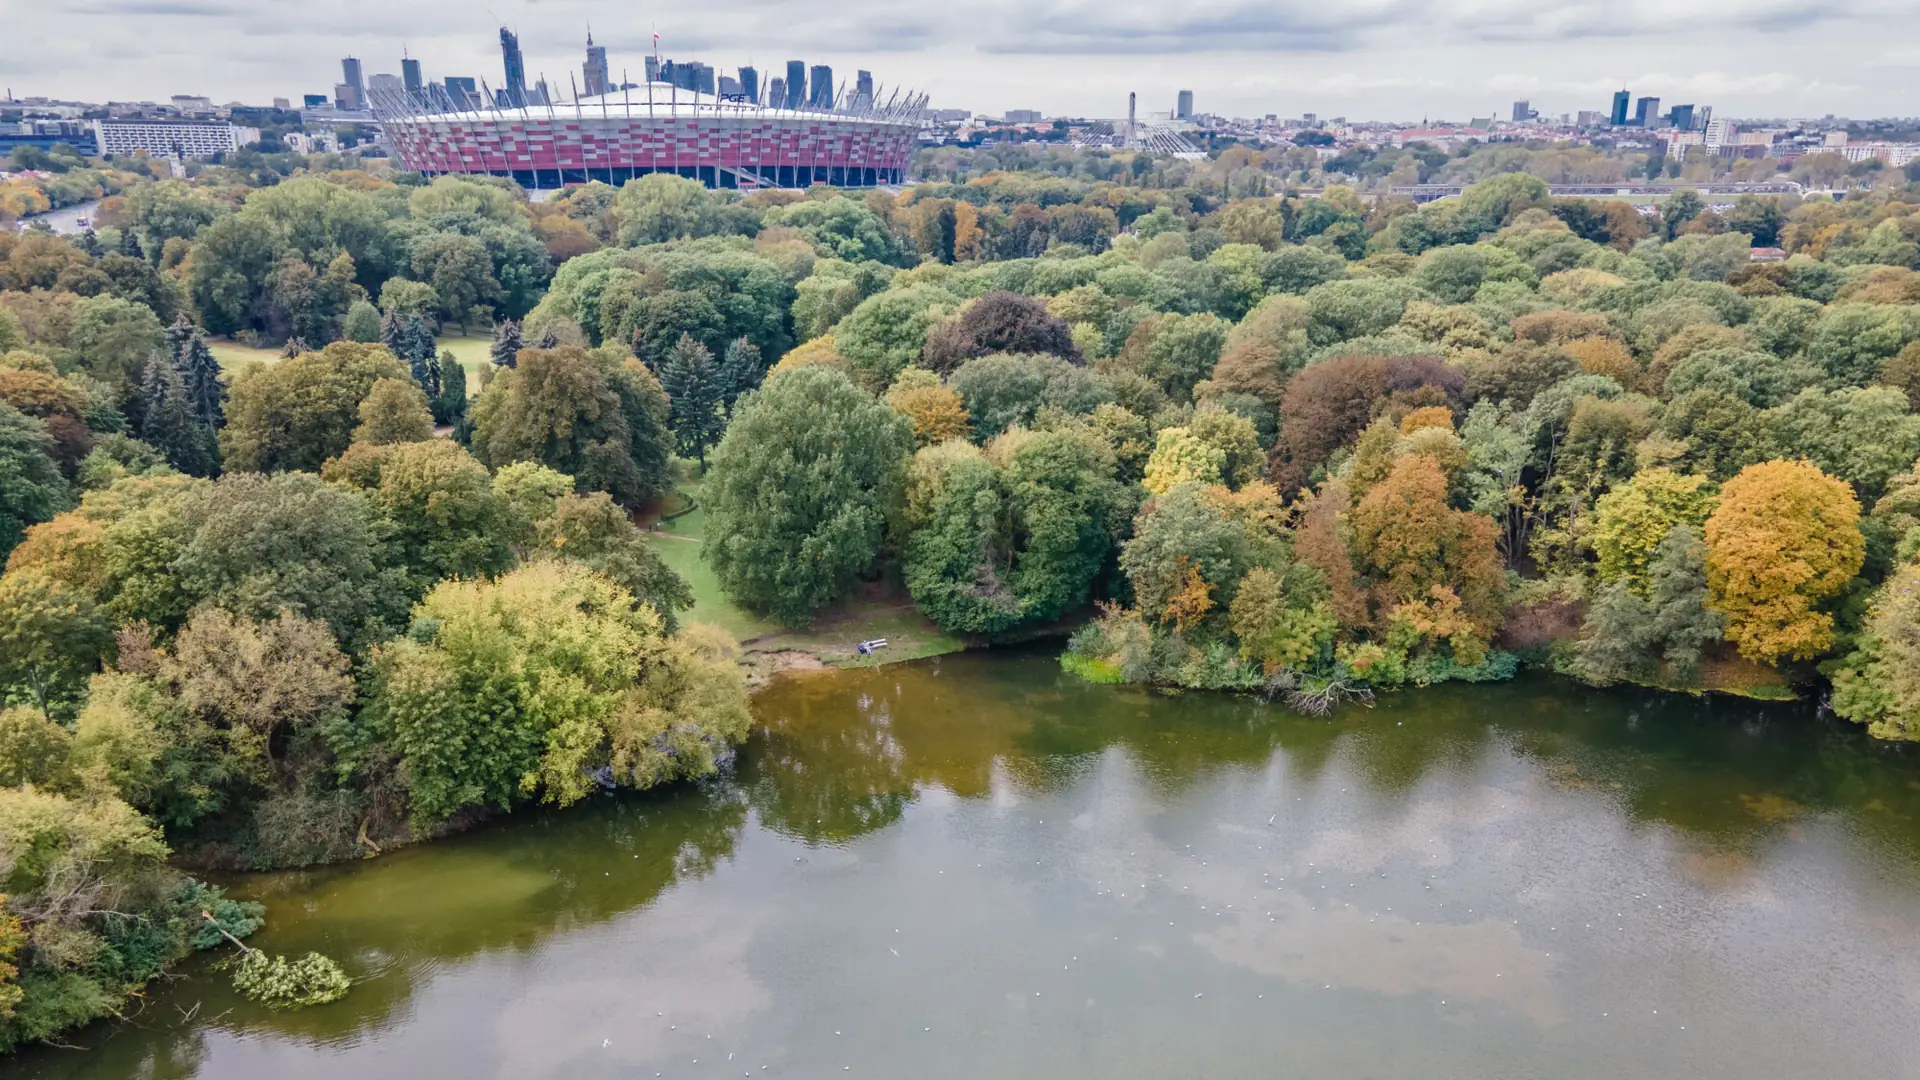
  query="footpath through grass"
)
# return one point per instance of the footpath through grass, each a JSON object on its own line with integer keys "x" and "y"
{"x": 830, "y": 641}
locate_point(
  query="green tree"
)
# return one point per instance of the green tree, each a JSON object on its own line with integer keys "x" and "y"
{"x": 362, "y": 323}
{"x": 113, "y": 338}
{"x": 51, "y": 638}
{"x": 297, "y": 413}
{"x": 1879, "y": 682}
{"x": 31, "y": 488}
{"x": 506, "y": 343}
{"x": 1005, "y": 390}
{"x": 460, "y": 271}
{"x": 1014, "y": 541}
{"x": 168, "y": 423}
{"x": 658, "y": 207}
{"x": 1635, "y": 518}
{"x": 450, "y": 405}
{"x": 600, "y": 417}
{"x": 695, "y": 392}
{"x": 888, "y": 331}
{"x": 527, "y": 683}
{"x": 801, "y": 490}
{"x": 199, "y": 373}
{"x": 168, "y": 210}
{"x": 443, "y": 516}
{"x": 1863, "y": 435}
{"x": 394, "y": 411}
{"x": 256, "y": 544}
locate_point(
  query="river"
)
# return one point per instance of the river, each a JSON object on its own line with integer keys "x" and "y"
{"x": 975, "y": 866}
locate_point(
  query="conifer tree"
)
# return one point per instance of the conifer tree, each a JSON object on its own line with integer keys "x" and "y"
{"x": 693, "y": 384}
{"x": 130, "y": 244}
{"x": 450, "y": 407}
{"x": 507, "y": 343}
{"x": 168, "y": 424}
{"x": 740, "y": 370}
{"x": 200, "y": 377}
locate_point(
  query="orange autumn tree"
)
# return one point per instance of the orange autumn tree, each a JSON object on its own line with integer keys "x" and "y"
{"x": 1422, "y": 554}
{"x": 1785, "y": 539}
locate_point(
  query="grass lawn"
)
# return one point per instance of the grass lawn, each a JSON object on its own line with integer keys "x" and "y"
{"x": 473, "y": 353}
{"x": 835, "y": 631}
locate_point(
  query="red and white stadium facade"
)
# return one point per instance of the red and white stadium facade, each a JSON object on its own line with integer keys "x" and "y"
{"x": 618, "y": 136}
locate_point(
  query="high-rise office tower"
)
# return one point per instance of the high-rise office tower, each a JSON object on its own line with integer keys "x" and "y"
{"x": 463, "y": 91}
{"x": 410, "y": 75}
{"x": 593, "y": 73}
{"x": 863, "y": 90}
{"x": 1646, "y": 112}
{"x": 703, "y": 79}
{"x": 1522, "y": 112}
{"x": 356, "y": 84}
{"x": 1682, "y": 117}
{"x": 796, "y": 83}
{"x": 516, "y": 68}
{"x": 750, "y": 83}
{"x": 820, "y": 87}
{"x": 1183, "y": 109}
{"x": 1703, "y": 118}
{"x": 777, "y": 92}
{"x": 653, "y": 69}
{"x": 1620, "y": 99}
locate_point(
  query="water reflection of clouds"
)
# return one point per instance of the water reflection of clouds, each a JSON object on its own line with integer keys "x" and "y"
{"x": 687, "y": 959}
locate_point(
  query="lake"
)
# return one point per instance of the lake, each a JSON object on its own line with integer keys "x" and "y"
{"x": 976, "y": 866}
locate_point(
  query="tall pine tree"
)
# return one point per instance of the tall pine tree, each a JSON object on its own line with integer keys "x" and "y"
{"x": 694, "y": 391}
{"x": 410, "y": 340}
{"x": 199, "y": 373}
{"x": 450, "y": 407}
{"x": 740, "y": 371}
{"x": 507, "y": 343}
{"x": 168, "y": 424}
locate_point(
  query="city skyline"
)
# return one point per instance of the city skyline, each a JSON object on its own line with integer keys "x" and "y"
{"x": 1767, "y": 62}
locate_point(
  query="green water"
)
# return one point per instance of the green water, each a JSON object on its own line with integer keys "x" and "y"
{"x": 977, "y": 867}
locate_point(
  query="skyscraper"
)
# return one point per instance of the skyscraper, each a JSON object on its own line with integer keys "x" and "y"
{"x": 750, "y": 83}
{"x": 777, "y": 92}
{"x": 410, "y": 74}
{"x": 516, "y": 68}
{"x": 356, "y": 84}
{"x": 1183, "y": 110}
{"x": 1646, "y": 112}
{"x": 863, "y": 90}
{"x": 820, "y": 87}
{"x": 463, "y": 91}
{"x": 1682, "y": 117}
{"x": 1522, "y": 112}
{"x": 593, "y": 73}
{"x": 796, "y": 83}
{"x": 653, "y": 69}
{"x": 1620, "y": 99}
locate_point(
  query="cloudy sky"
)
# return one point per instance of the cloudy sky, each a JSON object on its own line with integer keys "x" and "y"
{"x": 1364, "y": 59}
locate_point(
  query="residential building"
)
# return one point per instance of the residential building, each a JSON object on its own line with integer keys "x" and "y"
{"x": 1646, "y": 112}
{"x": 796, "y": 83}
{"x": 820, "y": 87}
{"x": 593, "y": 73}
{"x": 1620, "y": 98}
{"x": 1720, "y": 132}
{"x": 1183, "y": 108}
{"x": 346, "y": 98}
{"x": 192, "y": 103}
{"x": 1590, "y": 118}
{"x": 515, "y": 67}
{"x": 166, "y": 138}
{"x": 1022, "y": 116}
{"x": 948, "y": 116}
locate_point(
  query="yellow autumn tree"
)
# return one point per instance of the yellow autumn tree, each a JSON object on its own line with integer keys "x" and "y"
{"x": 1785, "y": 539}
{"x": 936, "y": 412}
{"x": 1631, "y": 520}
